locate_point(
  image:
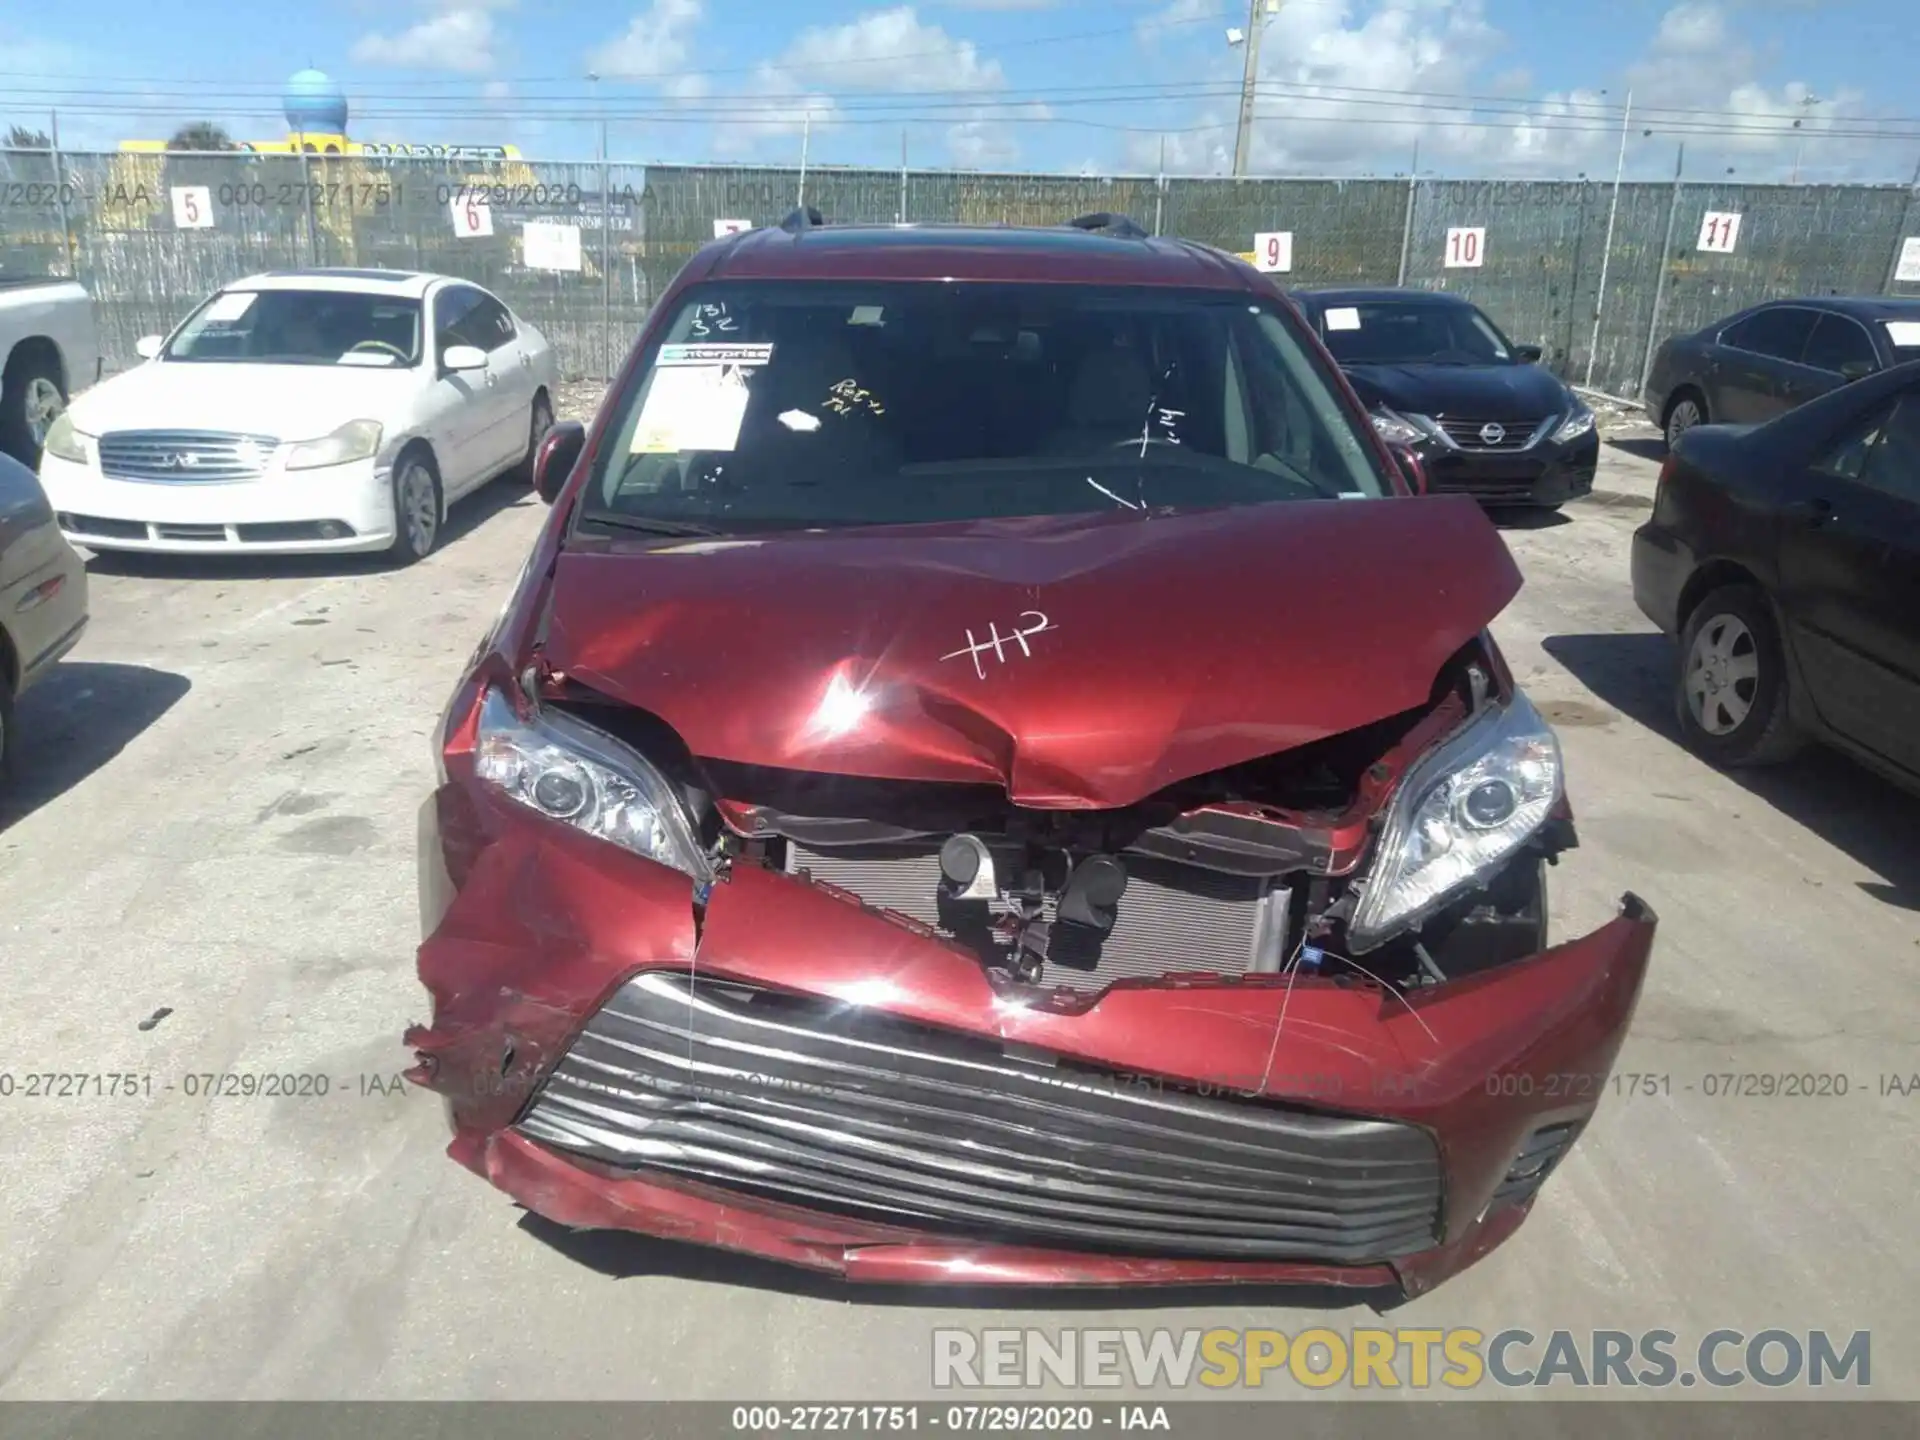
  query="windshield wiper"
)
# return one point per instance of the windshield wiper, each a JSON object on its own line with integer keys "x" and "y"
{"x": 647, "y": 524}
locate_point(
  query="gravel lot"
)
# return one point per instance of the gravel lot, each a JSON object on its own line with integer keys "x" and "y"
{"x": 214, "y": 825}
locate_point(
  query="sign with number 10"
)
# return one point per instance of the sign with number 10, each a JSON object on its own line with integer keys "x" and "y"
{"x": 1466, "y": 248}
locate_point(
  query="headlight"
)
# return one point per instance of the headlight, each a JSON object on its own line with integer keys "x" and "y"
{"x": 1579, "y": 423}
{"x": 355, "y": 440}
{"x": 1459, "y": 813}
{"x": 64, "y": 442}
{"x": 1397, "y": 429}
{"x": 585, "y": 778}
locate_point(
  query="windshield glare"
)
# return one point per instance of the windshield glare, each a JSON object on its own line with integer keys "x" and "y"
{"x": 797, "y": 405}
{"x": 301, "y": 327}
{"x": 1412, "y": 332}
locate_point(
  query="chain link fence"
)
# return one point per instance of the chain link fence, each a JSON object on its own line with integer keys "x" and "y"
{"x": 152, "y": 234}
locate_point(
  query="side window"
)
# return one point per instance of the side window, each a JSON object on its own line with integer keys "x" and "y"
{"x": 451, "y": 309}
{"x": 1781, "y": 333}
{"x": 1846, "y": 457}
{"x": 1838, "y": 342}
{"x": 1893, "y": 465}
{"x": 488, "y": 325}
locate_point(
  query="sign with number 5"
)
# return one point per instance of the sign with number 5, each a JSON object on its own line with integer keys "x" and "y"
{"x": 192, "y": 207}
{"x": 1273, "y": 251}
{"x": 472, "y": 216}
{"x": 1466, "y": 248}
{"x": 1719, "y": 232}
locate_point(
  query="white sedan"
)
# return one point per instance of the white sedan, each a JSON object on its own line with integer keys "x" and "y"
{"x": 301, "y": 411}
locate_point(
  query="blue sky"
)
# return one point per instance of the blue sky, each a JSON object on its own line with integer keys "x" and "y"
{"x": 1347, "y": 85}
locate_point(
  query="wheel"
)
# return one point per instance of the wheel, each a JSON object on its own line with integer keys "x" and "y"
{"x": 536, "y": 432}
{"x": 1687, "y": 411}
{"x": 31, "y": 399}
{"x": 416, "y": 507}
{"x": 1732, "y": 692}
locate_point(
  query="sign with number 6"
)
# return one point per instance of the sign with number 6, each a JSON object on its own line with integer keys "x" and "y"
{"x": 1466, "y": 248}
{"x": 1273, "y": 251}
{"x": 1719, "y": 232}
{"x": 472, "y": 216}
{"x": 192, "y": 207}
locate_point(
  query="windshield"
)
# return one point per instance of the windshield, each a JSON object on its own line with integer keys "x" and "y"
{"x": 1412, "y": 332}
{"x": 796, "y": 405}
{"x": 301, "y": 327}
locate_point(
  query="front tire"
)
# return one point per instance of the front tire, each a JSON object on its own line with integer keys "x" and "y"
{"x": 417, "y": 508}
{"x": 1732, "y": 694}
{"x": 31, "y": 399}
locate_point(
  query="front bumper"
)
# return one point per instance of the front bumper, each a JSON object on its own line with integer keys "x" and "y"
{"x": 282, "y": 512}
{"x": 1542, "y": 474}
{"x": 536, "y": 936}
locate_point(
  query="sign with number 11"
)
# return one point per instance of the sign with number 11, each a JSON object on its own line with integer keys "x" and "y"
{"x": 1719, "y": 232}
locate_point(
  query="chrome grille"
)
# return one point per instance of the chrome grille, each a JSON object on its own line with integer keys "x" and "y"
{"x": 845, "y": 1109}
{"x": 184, "y": 456}
{"x": 1172, "y": 917}
{"x": 1472, "y": 434}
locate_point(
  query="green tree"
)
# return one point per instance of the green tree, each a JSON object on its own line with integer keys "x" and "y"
{"x": 21, "y": 138}
{"x": 201, "y": 135}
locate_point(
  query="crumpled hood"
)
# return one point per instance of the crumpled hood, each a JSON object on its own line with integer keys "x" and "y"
{"x": 290, "y": 402}
{"x": 1078, "y": 661}
{"x": 1471, "y": 392}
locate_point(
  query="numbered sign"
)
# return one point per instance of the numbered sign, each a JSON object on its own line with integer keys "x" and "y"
{"x": 1719, "y": 232}
{"x": 1273, "y": 251}
{"x": 1909, "y": 266}
{"x": 192, "y": 207}
{"x": 724, "y": 228}
{"x": 550, "y": 245}
{"x": 472, "y": 216}
{"x": 1466, "y": 248}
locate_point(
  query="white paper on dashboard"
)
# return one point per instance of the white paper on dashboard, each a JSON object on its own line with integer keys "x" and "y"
{"x": 1904, "y": 333}
{"x": 1346, "y": 318}
{"x": 697, "y": 398}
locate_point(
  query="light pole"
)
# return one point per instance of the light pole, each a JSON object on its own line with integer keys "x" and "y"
{"x": 1807, "y": 102}
{"x": 1259, "y": 12}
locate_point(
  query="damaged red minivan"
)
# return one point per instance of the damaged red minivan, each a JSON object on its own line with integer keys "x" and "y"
{"x": 990, "y": 774}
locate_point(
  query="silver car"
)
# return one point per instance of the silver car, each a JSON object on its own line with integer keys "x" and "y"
{"x": 43, "y": 592}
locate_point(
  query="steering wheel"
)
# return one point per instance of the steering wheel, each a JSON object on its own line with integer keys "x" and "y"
{"x": 372, "y": 346}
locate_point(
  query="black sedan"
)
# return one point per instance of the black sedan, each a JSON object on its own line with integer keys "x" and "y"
{"x": 1786, "y": 559}
{"x": 1482, "y": 414}
{"x": 1762, "y": 362}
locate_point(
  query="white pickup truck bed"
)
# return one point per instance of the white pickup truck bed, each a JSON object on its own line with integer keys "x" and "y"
{"x": 48, "y": 350}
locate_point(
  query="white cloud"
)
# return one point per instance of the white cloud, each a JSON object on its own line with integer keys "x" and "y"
{"x": 826, "y": 69}
{"x": 1331, "y": 74}
{"x": 654, "y": 46}
{"x": 460, "y": 35}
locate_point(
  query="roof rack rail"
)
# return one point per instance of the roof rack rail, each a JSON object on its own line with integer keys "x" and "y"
{"x": 1122, "y": 227}
{"x": 802, "y": 217}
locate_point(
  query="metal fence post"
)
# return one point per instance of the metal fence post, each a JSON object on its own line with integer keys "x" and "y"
{"x": 306, "y": 191}
{"x": 1666, "y": 261}
{"x": 903, "y": 175}
{"x": 1406, "y": 227}
{"x": 1606, "y": 251}
{"x": 60, "y": 195}
{"x": 606, "y": 258}
{"x": 1160, "y": 188}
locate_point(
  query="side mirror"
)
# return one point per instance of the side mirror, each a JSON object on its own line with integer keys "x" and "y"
{"x": 463, "y": 357}
{"x": 1857, "y": 370}
{"x": 559, "y": 448}
{"x": 148, "y": 346}
{"x": 1410, "y": 467}
{"x": 1528, "y": 354}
